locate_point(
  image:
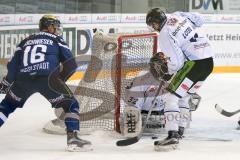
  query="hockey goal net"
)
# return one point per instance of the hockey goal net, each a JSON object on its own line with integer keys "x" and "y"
{"x": 115, "y": 61}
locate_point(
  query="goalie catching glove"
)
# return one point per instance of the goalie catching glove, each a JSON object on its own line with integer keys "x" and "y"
{"x": 4, "y": 86}
{"x": 159, "y": 68}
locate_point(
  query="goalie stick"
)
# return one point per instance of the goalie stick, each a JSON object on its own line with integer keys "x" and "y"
{"x": 224, "y": 112}
{"x": 132, "y": 140}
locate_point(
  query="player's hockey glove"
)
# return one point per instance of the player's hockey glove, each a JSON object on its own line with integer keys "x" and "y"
{"x": 158, "y": 67}
{"x": 4, "y": 86}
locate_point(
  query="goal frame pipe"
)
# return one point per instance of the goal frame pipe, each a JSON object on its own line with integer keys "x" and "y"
{"x": 119, "y": 72}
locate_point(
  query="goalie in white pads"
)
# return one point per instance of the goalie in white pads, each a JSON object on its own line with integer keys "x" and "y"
{"x": 138, "y": 100}
{"x": 139, "y": 96}
{"x": 187, "y": 55}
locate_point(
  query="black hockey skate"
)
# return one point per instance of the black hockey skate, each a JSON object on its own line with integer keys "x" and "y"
{"x": 169, "y": 143}
{"x": 75, "y": 144}
{"x": 181, "y": 132}
{"x": 238, "y": 124}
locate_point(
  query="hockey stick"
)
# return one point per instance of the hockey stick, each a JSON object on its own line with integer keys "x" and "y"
{"x": 213, "y": 139}
{"x": 224, "y": 112}
{"x": 132, "y": 140}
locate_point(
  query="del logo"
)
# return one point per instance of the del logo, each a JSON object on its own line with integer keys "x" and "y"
{"x": 184, "y": 86}
{"x": 152, "y": 88}
{"x": 206, "y": 4}
{"x": 197, "y": 86}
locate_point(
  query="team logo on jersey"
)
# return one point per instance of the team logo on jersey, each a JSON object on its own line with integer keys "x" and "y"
{"x": 172, "y": 21}
{"x": 201, "y": 45}
{"x": 185, "y": 86}
{"x": 152, "y": 88}
{"x": 197, "y": 86}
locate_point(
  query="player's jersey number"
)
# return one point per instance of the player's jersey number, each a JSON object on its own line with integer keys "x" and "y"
{"x": 30, "y": 53}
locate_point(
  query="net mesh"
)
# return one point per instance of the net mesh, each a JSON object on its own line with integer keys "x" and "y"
{"x": 3, "y": 68}
{"x": 115, "y": 61}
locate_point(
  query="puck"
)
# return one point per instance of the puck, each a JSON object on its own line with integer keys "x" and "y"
{"x": 154, "y": 137}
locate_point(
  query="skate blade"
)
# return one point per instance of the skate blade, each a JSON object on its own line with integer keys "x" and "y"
{"x": 75, "y": 148}
{"x": 165, "y": 148}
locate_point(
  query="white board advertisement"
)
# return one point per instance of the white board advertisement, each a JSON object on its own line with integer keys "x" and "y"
{"x": 215, "y": 6}
{"x": 224, "y": 38}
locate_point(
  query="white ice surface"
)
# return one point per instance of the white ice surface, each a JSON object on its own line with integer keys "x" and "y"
{"x": 22, "y": 138}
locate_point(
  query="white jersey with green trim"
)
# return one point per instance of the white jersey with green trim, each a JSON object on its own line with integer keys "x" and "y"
{"x": 180, "y": 40}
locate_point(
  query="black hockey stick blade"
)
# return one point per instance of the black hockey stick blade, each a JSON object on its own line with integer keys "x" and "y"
{"x": 129, "y": 141}
{"x": 224, "y": 112}
{"x": 126, "y": 142}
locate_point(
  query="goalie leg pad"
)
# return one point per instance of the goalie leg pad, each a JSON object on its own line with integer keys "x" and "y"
{"x": 55, "y": 126}
{"x": 60, "y": 113}
{"x": 132, "y": 122}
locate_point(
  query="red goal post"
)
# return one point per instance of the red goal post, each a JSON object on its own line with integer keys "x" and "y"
{"x": 119, "y": 67}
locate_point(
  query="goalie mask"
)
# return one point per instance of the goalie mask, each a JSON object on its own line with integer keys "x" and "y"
{"x": 158, "y": 67}
{"x": 156, "y": 19}
{"x": 48, "y": 20}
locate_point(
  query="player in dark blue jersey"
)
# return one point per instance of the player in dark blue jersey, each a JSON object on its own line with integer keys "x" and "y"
{"x": 35, "y": 68}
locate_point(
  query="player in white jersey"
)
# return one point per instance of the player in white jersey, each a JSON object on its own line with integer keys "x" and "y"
{"x": 186, "y": 61}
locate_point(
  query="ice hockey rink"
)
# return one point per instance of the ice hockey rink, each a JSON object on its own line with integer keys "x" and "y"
{"x": 210, "y": 136}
